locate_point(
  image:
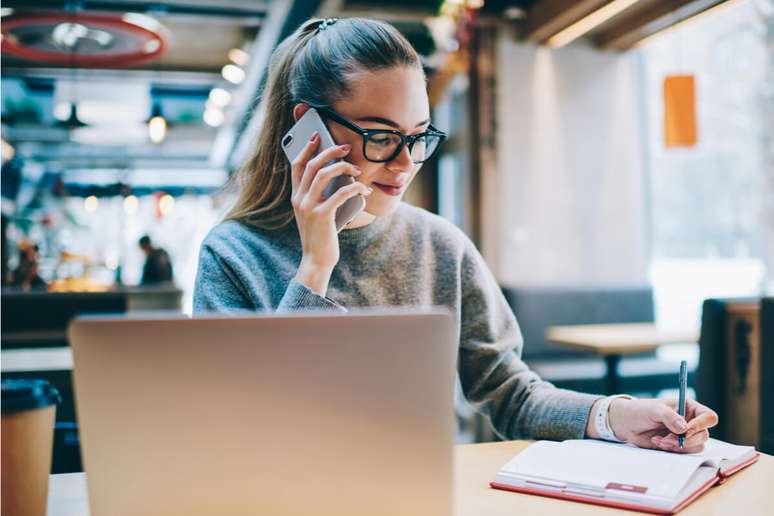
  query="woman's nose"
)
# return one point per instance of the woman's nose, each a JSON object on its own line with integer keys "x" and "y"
{"x": 402, "y": 162}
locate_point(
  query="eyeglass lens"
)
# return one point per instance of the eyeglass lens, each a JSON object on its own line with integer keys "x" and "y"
{"x": 383, "y": 147}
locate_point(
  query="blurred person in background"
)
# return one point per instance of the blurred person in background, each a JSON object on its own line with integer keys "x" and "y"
{"x": 158, "y": 266}
{"x": 279, "y": 249}
{"x": 25, "y": 276}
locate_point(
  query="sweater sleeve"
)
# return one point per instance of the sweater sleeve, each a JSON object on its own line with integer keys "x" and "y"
{"x": 493, "y": 376}
{"x": 219, "y": 288}
{"x": 300, "y": 297}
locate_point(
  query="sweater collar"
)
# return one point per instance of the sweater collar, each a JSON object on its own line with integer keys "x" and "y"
{"x": 360, "y": 238}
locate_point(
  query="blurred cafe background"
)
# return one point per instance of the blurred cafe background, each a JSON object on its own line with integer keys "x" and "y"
{"x": 613, "y": 160}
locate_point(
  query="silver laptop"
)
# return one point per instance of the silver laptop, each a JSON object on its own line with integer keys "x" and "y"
{"x": 345, "y": 414}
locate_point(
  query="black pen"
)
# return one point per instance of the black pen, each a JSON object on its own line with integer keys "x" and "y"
{"x": 683, "y": 381}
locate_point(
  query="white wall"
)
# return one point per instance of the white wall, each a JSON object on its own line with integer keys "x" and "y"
{"x": 570, "y": 184}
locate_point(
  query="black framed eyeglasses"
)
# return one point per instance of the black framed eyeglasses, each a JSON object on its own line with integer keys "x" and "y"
{"x": 383, "y": 145}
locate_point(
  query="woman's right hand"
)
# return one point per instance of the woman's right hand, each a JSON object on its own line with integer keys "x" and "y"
{"x": 315, "y": 215}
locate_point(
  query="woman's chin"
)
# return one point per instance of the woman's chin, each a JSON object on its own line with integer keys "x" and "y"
{"x": 382, "y": 207}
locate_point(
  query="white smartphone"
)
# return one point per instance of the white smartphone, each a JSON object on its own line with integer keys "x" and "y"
{"x": 294, "y": 142}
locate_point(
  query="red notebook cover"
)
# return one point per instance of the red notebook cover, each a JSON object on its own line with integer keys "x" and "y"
{"x": 724, "y": 476}
{"x": 718, "y": 479}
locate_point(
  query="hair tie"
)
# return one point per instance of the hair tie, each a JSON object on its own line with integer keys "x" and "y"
{"x": 327, "y": 22}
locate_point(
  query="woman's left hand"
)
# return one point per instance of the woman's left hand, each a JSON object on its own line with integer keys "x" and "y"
{"x": 655, "y": 423}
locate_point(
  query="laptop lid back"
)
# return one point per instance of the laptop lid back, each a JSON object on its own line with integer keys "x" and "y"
{"x": 267, "y": 414}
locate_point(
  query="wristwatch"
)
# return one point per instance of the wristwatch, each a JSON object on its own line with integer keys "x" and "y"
{"x": 602, "y": 418}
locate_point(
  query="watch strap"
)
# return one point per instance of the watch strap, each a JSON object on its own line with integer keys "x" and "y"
{"x": 602, "y": 418}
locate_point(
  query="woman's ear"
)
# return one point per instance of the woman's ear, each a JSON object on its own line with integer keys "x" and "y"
{"x": 299, "y": 110}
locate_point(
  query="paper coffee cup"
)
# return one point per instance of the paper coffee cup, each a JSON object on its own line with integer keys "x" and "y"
{"x": 28, "y": 413}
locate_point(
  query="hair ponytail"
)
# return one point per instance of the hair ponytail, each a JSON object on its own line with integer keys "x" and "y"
{"x": 316, "y": 66}
{"x": 263, "y": 182}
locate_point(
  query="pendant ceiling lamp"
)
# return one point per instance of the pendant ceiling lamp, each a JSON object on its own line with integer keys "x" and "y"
{"x": 157, "y": 124}
{"x": 72, "y": 121}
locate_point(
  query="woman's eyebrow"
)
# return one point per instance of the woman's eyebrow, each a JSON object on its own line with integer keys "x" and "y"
{"x": 387, "y": 121}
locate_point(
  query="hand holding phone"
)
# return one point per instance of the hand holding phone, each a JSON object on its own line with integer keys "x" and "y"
{"x": 293, "y": 143}
{"x": 313, "y": 169}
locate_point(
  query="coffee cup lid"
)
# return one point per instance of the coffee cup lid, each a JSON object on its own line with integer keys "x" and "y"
{"x": 28, "y": 395}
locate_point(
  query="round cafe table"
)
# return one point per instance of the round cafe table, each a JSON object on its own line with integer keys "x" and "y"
{"x": 613, "y": 341}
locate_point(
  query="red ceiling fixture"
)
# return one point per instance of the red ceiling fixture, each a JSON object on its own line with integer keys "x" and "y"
{"x": 84, "y": 40}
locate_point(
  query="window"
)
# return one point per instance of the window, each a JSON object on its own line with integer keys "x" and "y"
{"x": 712, "y": 205}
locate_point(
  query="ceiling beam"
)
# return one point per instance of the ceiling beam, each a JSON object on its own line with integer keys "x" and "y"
{"x": 397, "y": 14}
{"x": 620, "y": 31}
{"x": 547, "y": 17}
{"x": 330, "y": 8}
{"x": 657, "y": 16}
{"x": 179, "y": 78}
{"x": 219, "y": 9}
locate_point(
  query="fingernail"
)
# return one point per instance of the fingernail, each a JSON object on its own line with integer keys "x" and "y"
{"x": 315, "y": 136}
{"x": 681, "y": 425}
{"x": 370, "y": 190}
{"x": 346, "y": 147}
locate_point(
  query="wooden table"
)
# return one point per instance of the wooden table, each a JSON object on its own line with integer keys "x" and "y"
{"x": 613, "y": 341}
{"x": 748, "y": 493}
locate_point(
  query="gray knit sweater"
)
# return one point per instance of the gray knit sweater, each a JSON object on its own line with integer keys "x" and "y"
{"x": 411, "y": 257}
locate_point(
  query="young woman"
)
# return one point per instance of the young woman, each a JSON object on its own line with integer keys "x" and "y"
{"x": 278, "y": 249}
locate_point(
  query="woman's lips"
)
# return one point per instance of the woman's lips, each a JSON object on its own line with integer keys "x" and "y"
{"x": 390, "y": 190}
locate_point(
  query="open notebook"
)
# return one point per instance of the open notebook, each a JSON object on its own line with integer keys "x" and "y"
{"x": 621, "y": 475}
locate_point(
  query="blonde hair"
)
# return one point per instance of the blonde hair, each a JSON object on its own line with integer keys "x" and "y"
{"x": 313, "y": 65}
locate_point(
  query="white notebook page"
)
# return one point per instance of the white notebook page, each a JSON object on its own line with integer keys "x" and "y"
{"x": 596, "y": 463}
{"x": 733, "y": 454}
